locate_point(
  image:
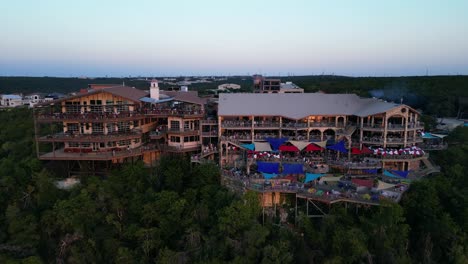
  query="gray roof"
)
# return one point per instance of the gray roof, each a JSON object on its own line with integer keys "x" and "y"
{"x": 298, "y": 106}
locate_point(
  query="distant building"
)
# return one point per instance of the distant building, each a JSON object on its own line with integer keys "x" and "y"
{"x": 226, "y": 86}
{"x": 266, "y": 85}
{"x": 11, "y": 100}
{"x": 290, "y": 87}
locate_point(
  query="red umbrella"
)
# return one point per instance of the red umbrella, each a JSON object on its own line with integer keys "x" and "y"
{"x": 366, "y": 150}
{"x": 356, "y": 151}
{"x": 313, "y": 147}
{"x": 287, "y": 148}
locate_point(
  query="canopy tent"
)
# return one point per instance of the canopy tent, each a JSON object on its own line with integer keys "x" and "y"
{"x": 276, "y": 142}
{"x": 322, "y": 144}
{"x": 268, "y": 167}
{"x": 371, "y": 171}
{"x": 329, "y": 179}
{"x": 391, "y": 175}
{"x": 288, "y": 148}
{"x": 340, "y": 146}
{"x": 269, "y": 175}
{"x": 365, "y": 183}
{"x": 403, "y": 174}
{"x": 439, "y": 135}
{"x": 313, "y": 147}
{"x": 356, "y": 151}
{"x": 299, "y": 144}
{"x": 383, "y": 185}
{"x": 262, "y": 146}
{"x": 293, "y": 168}
{"x": 428, "y": 136}
{"x": 366, "y": 150}
{"x": 248, "y": 146}
{"x": 312, "y": 176}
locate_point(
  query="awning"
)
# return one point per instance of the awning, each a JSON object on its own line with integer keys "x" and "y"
{"x": 361, "y": 182}
{"x": 268, "y": 167}
{"x": 293, "y": 168}
{"x": 299, "y": 144}
{"x": 428, "y": 136}
{"x": 439, "y": 135}
{"x": 276, "y": 142}
{"x": 366, "y": 150}
{"x": 322, "y": 144}
{"x": 356, "y": 151}
{"x": 330, "y": 179}
{"x": 391, "y": 175}
{"x": 313, "y": 147}
{"x": 312, "y": 176}
{"x": 340, "y": 146}
{"x": 262, "y": 146}
{"x": 248, "y": 146}
{"x": 383, "y": 185}
{"x": 287, "y": 148}
{"x": 269, "y": 175}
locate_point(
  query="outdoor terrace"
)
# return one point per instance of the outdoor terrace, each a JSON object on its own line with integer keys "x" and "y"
{"x": 68, "y": 137}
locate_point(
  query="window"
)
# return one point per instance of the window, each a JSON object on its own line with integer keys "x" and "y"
{"x": 73, "y": 128}
{"x": 96, "y": 106}
{"x": 72, "y": 107}
{"x": 111, "y": 128}
{"x": 122, "y": 106}
{"x": 98, "y": 128}
{"x": 136, "y": 140}
{"x": 73, "y": 145}
{"x": 123, "y": 127}
{"x": 175, "y": 139}
{"x": 109, "y": 108}
{"x": 175, "y": 125}
{"x": 192, "y": 139}
{"x": 124, "y": 142}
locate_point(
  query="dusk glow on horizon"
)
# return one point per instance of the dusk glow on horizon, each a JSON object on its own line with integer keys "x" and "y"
{"x": 209, "y": 37}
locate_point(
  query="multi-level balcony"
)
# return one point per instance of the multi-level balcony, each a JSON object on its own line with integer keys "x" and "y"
{"x": 173, "y": 113}
{"x": 183, "y": 132}
{"x": 68, "y": 137}
{"x": 392, "y": 127}
{"x": 88, "y": 117}
{"x": 275, "y": 125}
{"x": 89, "y": 154}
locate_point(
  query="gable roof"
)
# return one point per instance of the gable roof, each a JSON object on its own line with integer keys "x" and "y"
{"x": 130, "y": 93}
{"x": 298, "y": 106}
{"x": 189, "y": 96}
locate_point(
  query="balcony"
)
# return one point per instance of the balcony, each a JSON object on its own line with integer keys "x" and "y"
{"x": 67, "y": 137}
{"x": 294, "y": 125}
{"x": 209, "y": 122}
{"x": 267, "y": 125}
{"x": 236, "y": 124}
{"x": 89, "y": 154}
{"x": 183, "y": 132}
{"x": 173, "y": 112}
{"x": 88, "y": 117}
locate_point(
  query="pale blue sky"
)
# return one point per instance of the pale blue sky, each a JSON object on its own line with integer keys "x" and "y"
{"x": 215, "y": 37}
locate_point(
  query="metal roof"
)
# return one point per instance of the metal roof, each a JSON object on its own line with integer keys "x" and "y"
{"x": 298, "y": 106}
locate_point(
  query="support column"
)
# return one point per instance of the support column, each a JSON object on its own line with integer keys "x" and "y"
{"x": 385, "y": 131}
{"x": 361, "y": 132}
{"x": 405, "y": 136}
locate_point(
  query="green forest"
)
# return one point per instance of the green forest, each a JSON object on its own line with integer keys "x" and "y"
{"x": 176, "y": 213}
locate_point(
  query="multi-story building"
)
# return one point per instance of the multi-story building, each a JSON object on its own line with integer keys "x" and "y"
{"x": 318, "y": 117}
{"x": 117, "y": 124}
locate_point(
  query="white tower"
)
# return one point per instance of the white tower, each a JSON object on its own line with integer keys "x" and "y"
{"x": 154, "y": 89}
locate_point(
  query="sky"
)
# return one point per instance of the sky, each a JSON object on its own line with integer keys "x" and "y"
{"x": 233, "y": 37}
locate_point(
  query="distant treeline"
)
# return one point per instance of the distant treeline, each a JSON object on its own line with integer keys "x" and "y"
{"x": 435, "y": 95}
